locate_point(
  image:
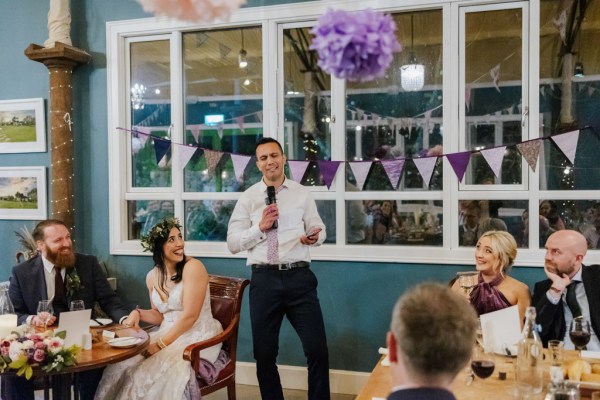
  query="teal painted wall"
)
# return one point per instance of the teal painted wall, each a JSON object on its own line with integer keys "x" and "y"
{"x": 356, "y": 298}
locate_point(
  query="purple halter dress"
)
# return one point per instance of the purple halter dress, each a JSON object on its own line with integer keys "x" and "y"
{"x": 486, "y": 297}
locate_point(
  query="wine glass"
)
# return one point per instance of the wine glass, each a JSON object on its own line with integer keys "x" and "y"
{"x": 467, "y": 282}
{"x": 482, "y": 363}
{"x": 579, "y": 332}
{"x": 76, "y": 305}
{"x": 479, "y": 333}
{"x": 45, "y": 311}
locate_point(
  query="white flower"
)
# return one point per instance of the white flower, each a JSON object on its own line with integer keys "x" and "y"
{"x": 15, "y": 350}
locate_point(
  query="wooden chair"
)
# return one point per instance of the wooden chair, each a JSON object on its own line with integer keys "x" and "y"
{"x": 226, "y": 295}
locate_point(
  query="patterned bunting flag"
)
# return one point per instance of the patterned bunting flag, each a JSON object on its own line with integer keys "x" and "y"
{"x": 393, "y": 169}
{"x": 212, "y": 159}
{"x": 240, "y": 122}
{"x": 494, "y": 157}
{"x": 239, "y": 165}
{"x": 161, "y": 147}
{"x": 425, "y": 165}
{"x": 459, "y": 162}
{"x": 328, "y": 170}
{"x": 185, "y": 154}
{"x": 195, "y": 131}
{"x": 360, "y": 169}
{"x": 530, "y": 151}
{"x": 567, "y": 143}
{"x": 297, "y": 169}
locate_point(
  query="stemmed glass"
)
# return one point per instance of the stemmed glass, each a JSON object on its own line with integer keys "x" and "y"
{"x": 76, "y": 305}
{"x": 467, "y": 281}
{"x": 45, "y": 311}
{"x": 579, "y": 332}
{"x": 482, "y": 363}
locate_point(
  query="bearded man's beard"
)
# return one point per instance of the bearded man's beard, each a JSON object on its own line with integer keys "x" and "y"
{"x": 60, "y": 259}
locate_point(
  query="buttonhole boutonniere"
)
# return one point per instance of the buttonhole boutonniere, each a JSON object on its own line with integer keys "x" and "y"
{"x": 73, "y": 281}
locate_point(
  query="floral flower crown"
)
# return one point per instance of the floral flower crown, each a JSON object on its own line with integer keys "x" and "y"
{"x": 159, "y": 231}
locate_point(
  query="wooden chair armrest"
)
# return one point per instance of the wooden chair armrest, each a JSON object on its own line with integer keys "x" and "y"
{"x": 192, "y": 351}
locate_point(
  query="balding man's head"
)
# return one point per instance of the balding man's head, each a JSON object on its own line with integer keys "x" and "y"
{"x": 565, "y": 250}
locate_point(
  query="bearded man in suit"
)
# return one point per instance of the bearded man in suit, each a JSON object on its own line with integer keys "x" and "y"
{"x": 424, "y": 362}
{"x": 59, "y": 274}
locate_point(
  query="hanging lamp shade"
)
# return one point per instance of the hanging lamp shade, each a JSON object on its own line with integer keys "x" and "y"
{"x": 412, "y": 75}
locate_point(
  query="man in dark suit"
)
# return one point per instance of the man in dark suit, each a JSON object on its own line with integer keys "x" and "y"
{"x": 61, "y": 275}
{"x": 561, "y": 297}
{"x": 424, "y": 362}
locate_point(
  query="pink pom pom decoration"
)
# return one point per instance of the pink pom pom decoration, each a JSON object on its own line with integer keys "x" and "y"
{"x": 357, "y": 46}
{"x": 193, "y": 10}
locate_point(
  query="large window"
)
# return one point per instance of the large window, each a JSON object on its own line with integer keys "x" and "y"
{"x": 498, "y": 77}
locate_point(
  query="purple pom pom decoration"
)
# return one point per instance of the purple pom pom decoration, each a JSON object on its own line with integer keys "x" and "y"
{"x": 357, "y": 46}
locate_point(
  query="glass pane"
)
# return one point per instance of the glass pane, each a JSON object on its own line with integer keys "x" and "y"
{"x": 569, "y": 102}
{"x": 150, "y": 97}
{"x": 493, "y": 93}
{"x": 479, "y": 216}
{"x": 207, "y": 220}
{"x": 395, "y": 222}
{"x": 223, "y": 103}
{"x": 385, "y": 120}
{"x": 326, "y": 210}
{"x": 144, "y": 214}
{"x": 307, "y": 104}
{"x": 579, "y": 215}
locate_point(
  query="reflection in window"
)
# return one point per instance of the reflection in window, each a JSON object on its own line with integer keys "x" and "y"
{"x": 144, "y": 214}
{"x": 207, "y": 220}
{"x": 580, "y": 215}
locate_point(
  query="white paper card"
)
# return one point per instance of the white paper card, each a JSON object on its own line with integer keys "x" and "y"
{"x": 501, "y": 330}
{"x": 76, "y": 324}
{"x": 590, "y": 354}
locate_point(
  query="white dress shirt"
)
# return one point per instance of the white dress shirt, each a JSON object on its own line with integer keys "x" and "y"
{"x": 49, "y": 277}
{"x": 297, "y": 215}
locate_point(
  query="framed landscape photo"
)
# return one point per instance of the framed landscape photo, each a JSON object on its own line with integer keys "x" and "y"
{"x": 22, "y": 126}
{"x": 23, "y": 193}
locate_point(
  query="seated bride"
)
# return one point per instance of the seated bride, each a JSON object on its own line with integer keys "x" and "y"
{"x": 180, "y": 305}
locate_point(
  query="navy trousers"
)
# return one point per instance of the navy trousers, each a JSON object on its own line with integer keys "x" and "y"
{"x": 292, "y": 293}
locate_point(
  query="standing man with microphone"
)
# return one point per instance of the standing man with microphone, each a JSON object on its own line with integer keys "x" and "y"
{"x": 277, "y": 237}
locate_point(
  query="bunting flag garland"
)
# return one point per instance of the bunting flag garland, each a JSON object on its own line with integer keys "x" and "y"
{"x": 195, "y": 131}
{"x": 468, "y": 96}
{"x": 161, "y": 147}
{"x": 425, "y": 165}
{"x": 360, "y": 169}
{"x": 494, "y": 157}
{"x": 393, "y": 169}
{"x": 530, "y": 151}
{"x": 459, "y": 162}
{"x": 297, "y": 169}
{"x": 567, "y": 143}
{"x": 561, "y": 25}
{"x": 185, "y": 154}
{"x": 495, "y": 74}
{"x": 328, "y": 170}
{"x": 239, "y": 165}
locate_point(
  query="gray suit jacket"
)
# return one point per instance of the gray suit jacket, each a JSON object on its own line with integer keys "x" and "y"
{"x": 28, "y": 287}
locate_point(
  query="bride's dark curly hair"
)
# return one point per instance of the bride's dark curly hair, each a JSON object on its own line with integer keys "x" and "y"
{"x": 154, "y": 241}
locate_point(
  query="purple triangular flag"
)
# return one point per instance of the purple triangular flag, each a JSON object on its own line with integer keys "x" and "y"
{"x": 459, "y": 162}
{"x": 393, "y": 169}
{"x": 425, "y": 165}
{"x": 297, "y": 169}
{"x": 239, "y": 165}
{"x": 567, "y": 143}
{"x": 185, "y": 154}
{"x": 161, "y": 146}
{"x": 530, "y": 150}
{"x": 494, "y": 157}
{"x": 212, "y": 159}
{"x": 360, "y": 169}
{"x": 328, "y": 171}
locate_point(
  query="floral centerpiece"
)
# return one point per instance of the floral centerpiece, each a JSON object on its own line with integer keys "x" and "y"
{"x": 22, "y": 351}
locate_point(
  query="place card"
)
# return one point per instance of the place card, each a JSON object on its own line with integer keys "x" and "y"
{"x": 76, "y": 324}
{"x": 501, "y": 330}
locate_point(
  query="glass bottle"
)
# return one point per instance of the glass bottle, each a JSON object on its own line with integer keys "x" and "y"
{"x": 8, "y": 318}
{"x": 529, "y": 357}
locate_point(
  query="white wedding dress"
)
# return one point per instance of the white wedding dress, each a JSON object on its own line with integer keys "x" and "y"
{"x": 166, "y": 374}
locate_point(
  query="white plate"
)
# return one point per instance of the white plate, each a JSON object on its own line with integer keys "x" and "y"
{"x": 103, "y": 321}
{"x": 124, "y": 342}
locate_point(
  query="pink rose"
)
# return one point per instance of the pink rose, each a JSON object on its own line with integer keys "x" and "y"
{"x": 4, "y": 351}
{"x": 39, "y": 355}
{"x": 40, "y": 345}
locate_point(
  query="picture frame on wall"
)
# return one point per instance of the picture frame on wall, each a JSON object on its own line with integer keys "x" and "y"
{"x": 22, "y": 126}
{"x": 23, "y": 193}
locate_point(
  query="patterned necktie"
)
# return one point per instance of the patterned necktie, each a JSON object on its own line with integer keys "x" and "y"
{"x": 59, "y": 288}
{"x": 273, "y": 242}
{"x": 572, "y": 300}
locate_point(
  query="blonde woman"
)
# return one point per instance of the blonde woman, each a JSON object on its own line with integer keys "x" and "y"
{"x": 495, "y": 254}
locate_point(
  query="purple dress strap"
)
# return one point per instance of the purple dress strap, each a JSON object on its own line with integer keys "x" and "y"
{"x": 486, "y": 297}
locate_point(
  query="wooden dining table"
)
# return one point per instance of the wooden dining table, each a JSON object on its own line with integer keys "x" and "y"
{"x": 100, "y": 355}
{"x": 379, "y": 383}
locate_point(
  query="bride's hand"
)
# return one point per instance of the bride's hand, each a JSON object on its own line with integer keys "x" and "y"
{"x": 133, "y": 320}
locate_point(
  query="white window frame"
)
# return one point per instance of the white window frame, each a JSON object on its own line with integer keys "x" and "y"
{"x": 272, "y": 19}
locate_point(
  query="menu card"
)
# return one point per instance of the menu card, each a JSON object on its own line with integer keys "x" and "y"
{"x": 501, "y": 330}
{"x": 76, "y": 324}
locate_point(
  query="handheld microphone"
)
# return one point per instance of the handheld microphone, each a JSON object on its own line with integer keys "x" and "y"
{"x": 271, "y": 200}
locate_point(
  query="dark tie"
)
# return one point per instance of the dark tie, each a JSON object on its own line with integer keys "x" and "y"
{"x": 572, "y": 300}
{"x": 59, "y": 288}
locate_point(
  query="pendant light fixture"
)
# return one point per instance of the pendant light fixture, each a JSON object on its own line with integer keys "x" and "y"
{"x": 242, "y": 60}
{"x": 412, "y": 75}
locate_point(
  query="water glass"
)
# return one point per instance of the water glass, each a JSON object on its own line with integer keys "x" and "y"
{"x": 76, "y": 305}
{"x": 45, "y": 311}
{"x": 556, "y": 350}
{"x": 522, "y": 391}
